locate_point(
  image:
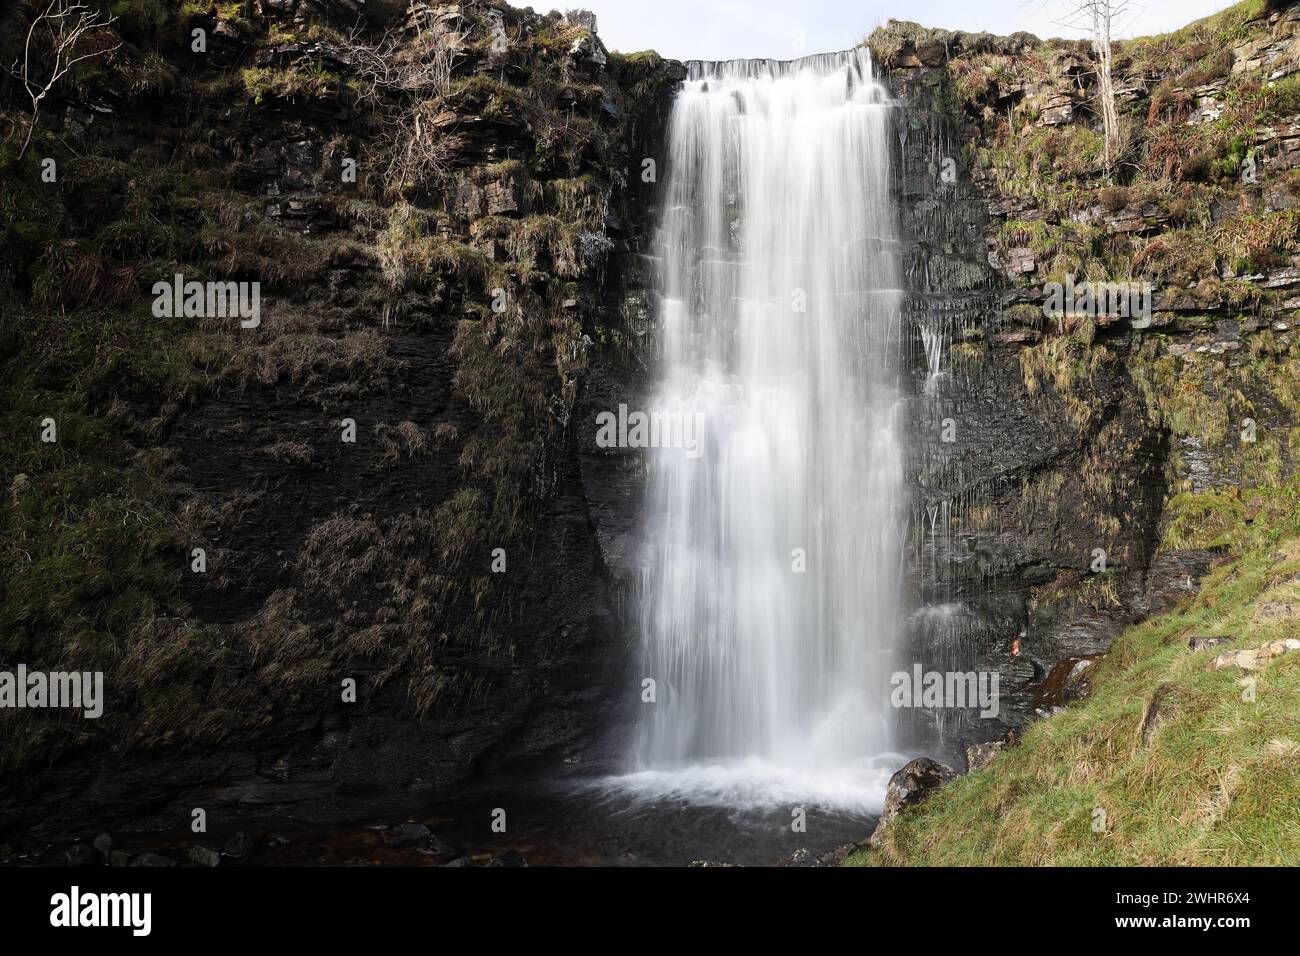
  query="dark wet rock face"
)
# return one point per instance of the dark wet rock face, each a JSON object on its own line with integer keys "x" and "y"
{"x": 1001, "y": 494}
{"x": 1037, "y": 495}
{"x": 467, "y": 675}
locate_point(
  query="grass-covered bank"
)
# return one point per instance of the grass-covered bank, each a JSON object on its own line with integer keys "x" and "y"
{"x": 1212, "y": 777}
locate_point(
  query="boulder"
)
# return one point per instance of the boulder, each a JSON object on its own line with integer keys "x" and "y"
{"x": 911, "y": 785}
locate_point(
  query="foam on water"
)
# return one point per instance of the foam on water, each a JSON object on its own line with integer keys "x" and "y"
{"x": 755, "y": 785}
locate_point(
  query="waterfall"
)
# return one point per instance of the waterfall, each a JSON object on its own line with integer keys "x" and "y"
{"x": 772, "y": 552}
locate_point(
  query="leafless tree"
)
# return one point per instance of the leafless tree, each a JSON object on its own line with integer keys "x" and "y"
{"x": 1102, "y": 20}
{"x": 62, "y": 36}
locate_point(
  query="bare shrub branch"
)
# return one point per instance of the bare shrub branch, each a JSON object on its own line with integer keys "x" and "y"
{"x": 403, "y": 80}
{"x": 58, "y": 39}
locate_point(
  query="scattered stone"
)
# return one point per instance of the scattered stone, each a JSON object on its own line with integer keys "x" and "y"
{"x": 149, "y": 858}
{"x": 461, "y": 861}
{"x": 238, "y": 846}
{"x": 204, "y": 856}
{"x": 1156, "y": 711}
{"x": 705, "y": 863}
{"x": 406, "y": 834}
{"x": 1205, "y": 643}
{"x": 587, "y": 54}
{"x": 436, "y": 847}
{"x": 1276, "y": 611}
{"x": 103, "y": 845}
{"x": 1056, "y": 109}
{"x": 1255, "y": 658}
{"x": 801, "y": 857}
{"x": 119, "y": 858}
{"x": 78, "y": 856}
{"x": 978, "y": 756}
{"x": 838, "y": 855}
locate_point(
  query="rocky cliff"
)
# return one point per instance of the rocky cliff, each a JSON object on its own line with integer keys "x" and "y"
{"x": 379, "y": 483}
{"x": 1091, "y": 463}
{"x": 445, "y": 208}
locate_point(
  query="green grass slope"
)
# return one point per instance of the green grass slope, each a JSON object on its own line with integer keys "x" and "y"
{"x": 1216, "y": 781}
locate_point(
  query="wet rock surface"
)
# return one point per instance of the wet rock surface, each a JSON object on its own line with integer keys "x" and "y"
{"x": 554, "y": 703}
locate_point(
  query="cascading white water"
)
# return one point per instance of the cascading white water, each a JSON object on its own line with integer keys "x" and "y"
{"x": 770, "y": 596}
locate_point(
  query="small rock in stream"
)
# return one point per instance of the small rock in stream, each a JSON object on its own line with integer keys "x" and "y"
{"x": 406, "y": 834}
{"x": 78, "y": 855}
{"x": 238, "y": 846}
{"x": 436, "y": 847}
{"x": 204, "y": 856}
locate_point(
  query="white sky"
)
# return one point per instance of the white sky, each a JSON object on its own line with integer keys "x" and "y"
{"x": 731, "y": 29}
